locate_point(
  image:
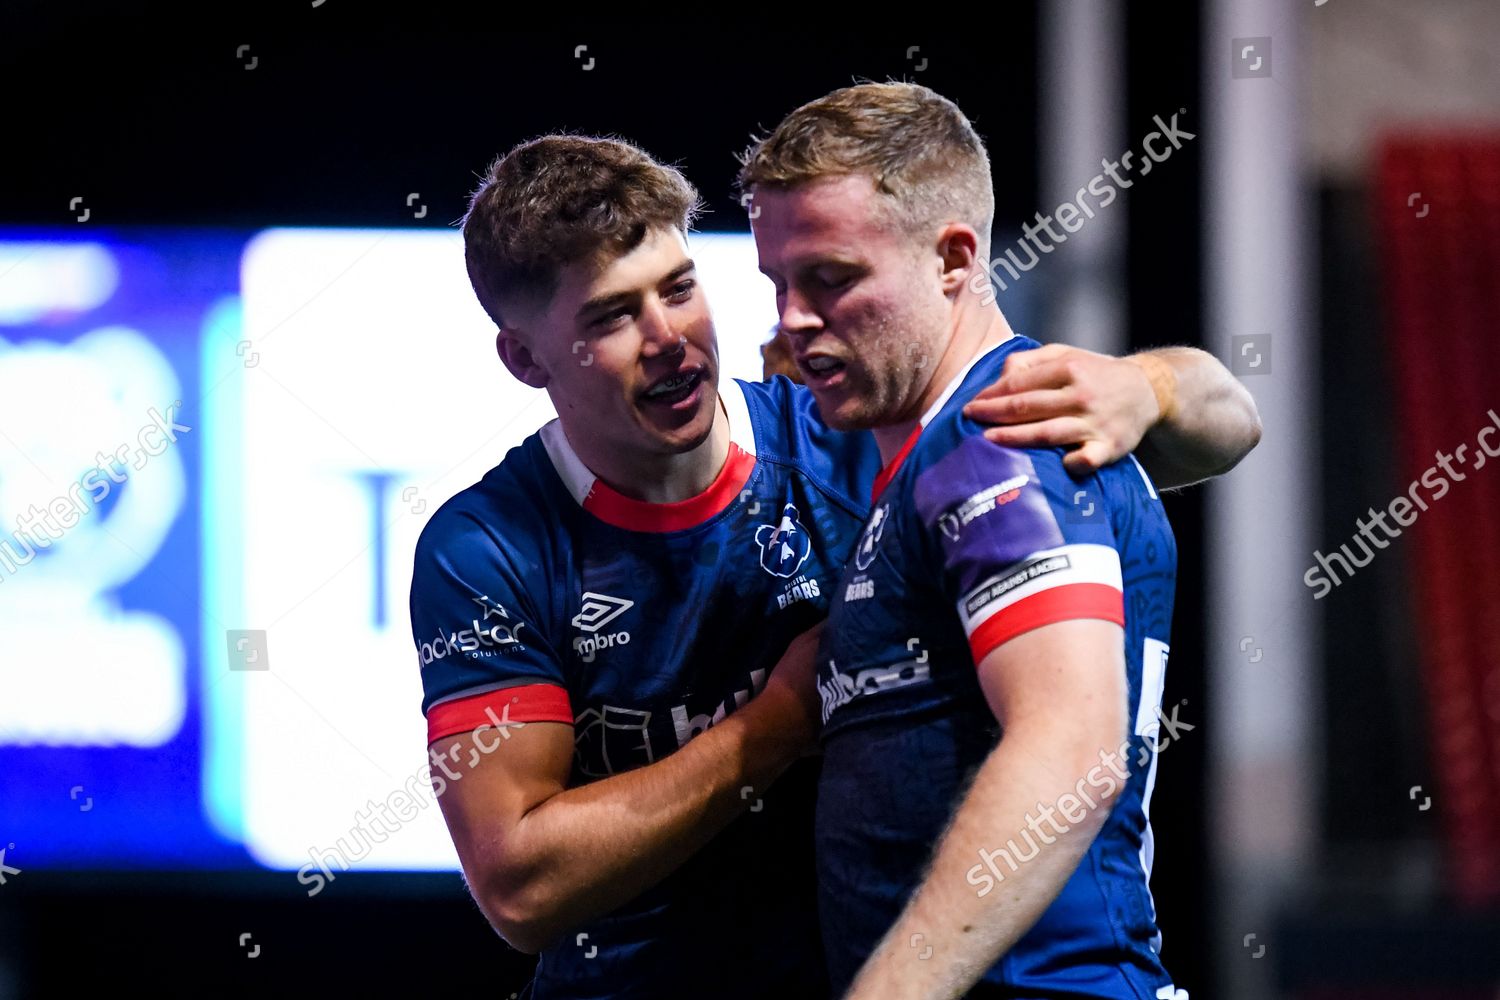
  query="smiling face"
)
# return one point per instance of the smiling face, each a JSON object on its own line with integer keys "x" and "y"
{"x": 625, "y": 348}
{"x": 861, "y": 300}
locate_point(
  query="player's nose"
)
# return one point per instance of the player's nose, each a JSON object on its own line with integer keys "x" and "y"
{"x": 798, "y": 319}
{"x": 659, "y": 335}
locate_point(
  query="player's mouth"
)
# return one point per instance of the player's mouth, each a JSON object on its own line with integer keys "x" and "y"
{"x": 679, "y": 391}
{"x": 821, "y": 371}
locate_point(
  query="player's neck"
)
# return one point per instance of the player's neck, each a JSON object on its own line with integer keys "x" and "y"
{"x": 656, "y": 478}
{"x": 976, "y": 331}
{"x": 891, "y": 438}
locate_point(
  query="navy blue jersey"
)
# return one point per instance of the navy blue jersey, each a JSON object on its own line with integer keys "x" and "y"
{"x": 541, "y": 594}
{"x": 969, "y": 544}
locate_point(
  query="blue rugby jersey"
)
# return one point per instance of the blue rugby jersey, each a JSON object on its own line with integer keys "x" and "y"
{"x": 540, "y": 594}
{"x": 967, "y": 545}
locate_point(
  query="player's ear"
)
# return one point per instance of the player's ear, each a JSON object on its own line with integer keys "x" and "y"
{"x": 518, "y": 358}
{"x": 958, "y": 246}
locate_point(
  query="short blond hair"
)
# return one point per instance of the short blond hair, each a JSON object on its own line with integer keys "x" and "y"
{"x": 914, "y": 143}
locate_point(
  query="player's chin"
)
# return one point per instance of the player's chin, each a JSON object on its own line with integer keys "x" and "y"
{"x": 841, "y": 408}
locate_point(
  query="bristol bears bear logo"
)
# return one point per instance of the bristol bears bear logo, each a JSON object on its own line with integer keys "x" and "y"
{"x": 784, "y": 547}
{"x": 864, "y": 553}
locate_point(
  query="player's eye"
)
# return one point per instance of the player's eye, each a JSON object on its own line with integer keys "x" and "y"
{"x": 609, "y": 319}
{"x": 830, "y": 276}
{"x": 682, "y": 291}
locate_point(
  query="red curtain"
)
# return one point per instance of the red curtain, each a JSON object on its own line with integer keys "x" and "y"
{"x": 1438, "y": 212}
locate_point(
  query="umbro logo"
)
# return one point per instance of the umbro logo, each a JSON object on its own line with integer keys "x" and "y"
{"x": 599, "y": 610}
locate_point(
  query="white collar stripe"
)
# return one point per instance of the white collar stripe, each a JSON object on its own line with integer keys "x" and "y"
{"x": 580, "y": 481}
{"x": 932, "y": 411}
{"x": 570, "y": 468}
{"x": 741, "y": 430}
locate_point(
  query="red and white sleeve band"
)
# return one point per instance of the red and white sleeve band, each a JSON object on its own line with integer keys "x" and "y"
{"x": 1055, "y": 585}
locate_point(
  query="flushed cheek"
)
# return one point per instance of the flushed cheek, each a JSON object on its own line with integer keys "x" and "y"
{"x": 705, "y": 344}
{"x": 699, "y": 327}
{"x": 592, "y": 386}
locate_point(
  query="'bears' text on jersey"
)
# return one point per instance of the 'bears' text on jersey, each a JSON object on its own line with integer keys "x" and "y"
{"x": 969, "y": 544}
{"x": 541, "y": 595}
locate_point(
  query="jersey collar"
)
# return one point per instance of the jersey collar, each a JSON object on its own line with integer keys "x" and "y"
{"x": 889, "y": 472}
{"x": 616, "y": 509}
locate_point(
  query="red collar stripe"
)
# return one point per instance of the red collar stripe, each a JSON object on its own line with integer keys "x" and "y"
{"x": 617, "y": 509}
{"x": 889, "y": 472}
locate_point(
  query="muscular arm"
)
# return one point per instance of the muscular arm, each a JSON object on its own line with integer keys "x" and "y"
{"x": 1213, "y": 424}
{"x": 1059, "y": 693}
{"x": 1061, "y": 396}
{"x": 542, "y": 858}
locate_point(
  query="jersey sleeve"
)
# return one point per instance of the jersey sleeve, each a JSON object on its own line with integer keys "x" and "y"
{"x": 1021, "y": 543}
{"x": 475, "y": 626}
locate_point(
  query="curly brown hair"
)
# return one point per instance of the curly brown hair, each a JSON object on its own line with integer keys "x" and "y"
{"x": 558, "y": 199}
{"x": 914, "y": 143}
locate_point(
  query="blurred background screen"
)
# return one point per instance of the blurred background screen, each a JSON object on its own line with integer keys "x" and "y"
{"x": 292, "y": 500}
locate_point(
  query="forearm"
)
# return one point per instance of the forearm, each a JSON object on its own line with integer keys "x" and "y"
{"x": 1210, "y": 421}
{"x": 969, "y": 922}
{"x": 591, "y": 848}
